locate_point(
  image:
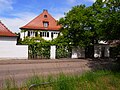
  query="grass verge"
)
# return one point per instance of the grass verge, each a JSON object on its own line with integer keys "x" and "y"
{"x": 98, "y": 80}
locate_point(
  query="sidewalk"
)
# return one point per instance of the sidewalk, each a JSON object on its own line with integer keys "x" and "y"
{"x": 3, "y": 62}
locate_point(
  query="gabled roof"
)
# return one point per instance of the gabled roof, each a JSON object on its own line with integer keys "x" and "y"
{"x": 4, "y": 31}
{"x": 37, "y": 23}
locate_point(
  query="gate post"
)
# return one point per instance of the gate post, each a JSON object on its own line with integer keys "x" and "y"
{"x": 53, "y": 52}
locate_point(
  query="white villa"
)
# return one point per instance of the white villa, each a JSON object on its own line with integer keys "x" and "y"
{"x": 43, "y": 25}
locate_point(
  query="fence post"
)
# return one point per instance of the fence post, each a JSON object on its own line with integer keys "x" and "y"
{"x": 53, "y": 52}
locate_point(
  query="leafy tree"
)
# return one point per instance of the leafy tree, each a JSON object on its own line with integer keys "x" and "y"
{"x": 86, "y": 25}
{"x": 111, "y": 23}
{"x": 76, "y": 27}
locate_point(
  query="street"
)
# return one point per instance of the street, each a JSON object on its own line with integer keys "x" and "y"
{"x": 20, "y": 70}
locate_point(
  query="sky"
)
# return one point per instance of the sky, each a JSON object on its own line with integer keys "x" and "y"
{"x": 17, "y": 13}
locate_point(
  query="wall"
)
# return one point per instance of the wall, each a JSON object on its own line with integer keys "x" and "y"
{"x": 78, "y": 52}
{"x": 9, "y": 49}
{"x": 101, "y": 49}
{"x": 8, "y": 41}
{"x": 53, "y": 52}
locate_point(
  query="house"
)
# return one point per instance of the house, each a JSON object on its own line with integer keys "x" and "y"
{"x": 43, "y": 25}
{"x": 8, "y": 47}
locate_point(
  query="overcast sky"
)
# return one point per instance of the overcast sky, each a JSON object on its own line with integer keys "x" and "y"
{"x": 16, "y": 13}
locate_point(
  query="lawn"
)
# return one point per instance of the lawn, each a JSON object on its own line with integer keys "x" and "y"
{"x": 98, "y": 80}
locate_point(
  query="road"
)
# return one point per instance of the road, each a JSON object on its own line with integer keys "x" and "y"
{"x": 20, "y": 70}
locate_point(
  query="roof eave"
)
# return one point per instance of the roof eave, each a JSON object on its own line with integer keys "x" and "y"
{"x": 40, "y": 29}
{"x": 7, "y": 36}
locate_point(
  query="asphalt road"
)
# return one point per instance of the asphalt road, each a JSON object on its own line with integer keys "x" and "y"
{"x": 20, "y": 70}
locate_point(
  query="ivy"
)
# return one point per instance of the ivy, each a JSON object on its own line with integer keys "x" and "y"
{"x": 39, "y": 48}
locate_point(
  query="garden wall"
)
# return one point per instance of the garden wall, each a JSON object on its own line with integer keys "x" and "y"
{"x": 9, "y": 49}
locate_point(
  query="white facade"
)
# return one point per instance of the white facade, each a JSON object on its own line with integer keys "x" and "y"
{"x": 47, "y": 35}
{"x": 9, "y": 49}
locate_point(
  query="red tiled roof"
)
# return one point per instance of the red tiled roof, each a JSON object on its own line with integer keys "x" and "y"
{"x": 4, "y": 31}
{"x": 37, "y": 23}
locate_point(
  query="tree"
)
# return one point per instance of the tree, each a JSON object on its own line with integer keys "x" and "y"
{"x": 76, "y": 27}
{"x": 111, "y": 24}
{"x": 86, "y": 25}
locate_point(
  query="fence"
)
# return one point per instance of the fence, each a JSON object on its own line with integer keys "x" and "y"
{"x": 63, "y": 52}
{"x": 43, "y": 52}
{"x": 39, "y": 52}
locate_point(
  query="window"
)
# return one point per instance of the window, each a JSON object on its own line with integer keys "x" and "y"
{"x": 45, "y": 16}
{"x": 45, "y": 24}
{"x": 43, "y": 34}
{"x": 52, "y": 34}
{"x": 40, "y": 34}
{"x": 28, "y": 33}
{"x": 36, "y": 34}
{"x": 47, "y": 34}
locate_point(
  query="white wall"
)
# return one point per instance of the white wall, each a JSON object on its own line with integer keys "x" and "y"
{"x": 98, "y": 51}
{"x": 8, "y": 41}
{"x": 52, "y": 52}
{"x": 9, "y": 49}
{"x": 78, "y": 52}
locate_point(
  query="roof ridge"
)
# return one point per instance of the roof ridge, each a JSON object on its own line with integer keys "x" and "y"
{"x": 53, "y": 18}
{"x": 31, "y": 20}
{"x": 37, "y": 22}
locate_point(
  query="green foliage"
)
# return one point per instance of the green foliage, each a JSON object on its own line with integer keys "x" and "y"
{"x": 38, "y": 47}
{"x": 10, "y": 84}
{"x": 63, "y": 47}
{"x": 115, "y": 51}
{"x": 64, "y": 82}
{"x": 75, "y": 26}
{"x": 84, "y": 26}
{"x": 108, "y": 12}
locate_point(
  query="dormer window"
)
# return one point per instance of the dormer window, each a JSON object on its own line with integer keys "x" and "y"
{"x": 45, "y": 16}
{"x": 45, "y": 24}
